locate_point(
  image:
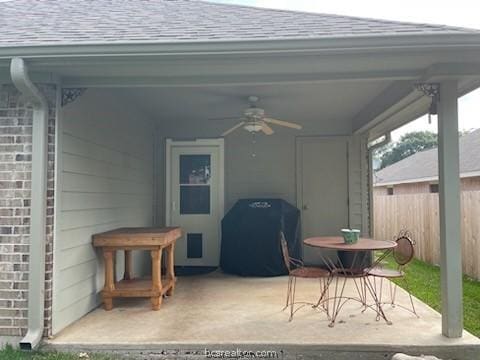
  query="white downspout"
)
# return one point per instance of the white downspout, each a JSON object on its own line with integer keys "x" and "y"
{"x": 36, "y": 276}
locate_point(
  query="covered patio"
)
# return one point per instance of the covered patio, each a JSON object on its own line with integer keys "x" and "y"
{"x": 225, "y": 312}
{"x": 133, "y": 115}
{"x": 123, "y": 109}
{"x": 118, "y": 175}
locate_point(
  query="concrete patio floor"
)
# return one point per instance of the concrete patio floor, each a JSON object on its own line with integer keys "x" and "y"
{"x": 219, "y": 311}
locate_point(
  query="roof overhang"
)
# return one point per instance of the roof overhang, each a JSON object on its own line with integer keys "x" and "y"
{"x": 463, "y": 175}
{"x": 399, "y": 60}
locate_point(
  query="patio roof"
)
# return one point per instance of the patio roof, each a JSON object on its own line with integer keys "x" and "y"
{"x": 46, "y": 23}
{"x": 190, "y": 44}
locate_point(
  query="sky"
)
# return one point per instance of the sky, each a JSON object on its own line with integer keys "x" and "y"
{"x": 464, "y": 13}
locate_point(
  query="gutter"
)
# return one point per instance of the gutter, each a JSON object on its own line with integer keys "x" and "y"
{"x": 327, "y": 44}
{"x": 36, "y": 276}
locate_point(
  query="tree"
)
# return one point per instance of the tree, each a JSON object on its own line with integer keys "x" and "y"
{"x": 408, "y": 144}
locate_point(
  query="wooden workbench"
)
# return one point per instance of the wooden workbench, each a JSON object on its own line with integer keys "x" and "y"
{"x": 154, "y": 240}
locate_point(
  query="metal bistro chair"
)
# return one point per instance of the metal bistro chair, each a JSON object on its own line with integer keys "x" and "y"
{"x": 403, "y": 253}
{"x": 296, "y": 269}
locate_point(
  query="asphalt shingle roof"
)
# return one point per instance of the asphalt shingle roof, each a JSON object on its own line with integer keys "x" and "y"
{"x": 424, "y": 164}
{"x": 49, "y": 22}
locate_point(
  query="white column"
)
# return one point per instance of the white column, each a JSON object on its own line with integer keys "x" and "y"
{"x": 449, "y": 194}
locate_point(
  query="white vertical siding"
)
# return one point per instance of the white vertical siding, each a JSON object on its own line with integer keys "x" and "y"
{"x": 366, "y": 187}
{"x": 106, "y": 179}
{"x": 270, "y": 173}
{"x": 358, "y": 185}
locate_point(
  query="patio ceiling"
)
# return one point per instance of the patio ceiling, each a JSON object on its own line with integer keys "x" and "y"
{"x": 303, "y": 103}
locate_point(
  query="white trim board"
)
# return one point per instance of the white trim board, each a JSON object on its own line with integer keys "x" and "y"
{"x": 58, "y": 189}
{"x": 425, "y": 179}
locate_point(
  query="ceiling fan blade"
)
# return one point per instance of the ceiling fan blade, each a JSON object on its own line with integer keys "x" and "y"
{"x": 240, "y": 124}
{"x": 283, "y": 123}
{"x": 267, "y": 130}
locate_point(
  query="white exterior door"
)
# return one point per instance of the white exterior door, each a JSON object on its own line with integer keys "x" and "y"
{"x": 195, "y": 200}
{"x": 323, "y": 188}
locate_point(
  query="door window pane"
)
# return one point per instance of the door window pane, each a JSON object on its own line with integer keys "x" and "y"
{"x": 194, "y": 200}
{"x": 195, "y": 169}
{"x": 195, "y": 173}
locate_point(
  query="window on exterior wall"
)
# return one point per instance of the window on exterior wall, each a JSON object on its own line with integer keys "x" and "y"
{"x": 434, "y": 188}
{"x": 390, "y": 190}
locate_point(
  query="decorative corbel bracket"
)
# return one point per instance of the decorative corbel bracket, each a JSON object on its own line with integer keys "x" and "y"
{"x": 71, "y": 94}
{"x": 431, "y": 90}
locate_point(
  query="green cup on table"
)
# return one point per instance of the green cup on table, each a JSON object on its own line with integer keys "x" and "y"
{"x": 350, "y": 236}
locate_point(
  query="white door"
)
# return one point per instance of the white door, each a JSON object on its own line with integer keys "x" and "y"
{"x": 323, "y": 192}
{"x": 196, "y": 200}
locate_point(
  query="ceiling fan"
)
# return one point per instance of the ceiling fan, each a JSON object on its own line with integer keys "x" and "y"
{"x": 254, "y": 120}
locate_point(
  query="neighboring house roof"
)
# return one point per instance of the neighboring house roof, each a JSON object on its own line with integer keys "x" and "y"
{"x": 423, "y": 166}
{"x": 54, "y": 22}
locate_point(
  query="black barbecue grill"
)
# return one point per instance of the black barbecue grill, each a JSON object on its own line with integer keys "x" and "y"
{"x": 251, "y": 237}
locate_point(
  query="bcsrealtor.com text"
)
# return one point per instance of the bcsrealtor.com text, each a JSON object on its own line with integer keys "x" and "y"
{"x": 241, "y": 354}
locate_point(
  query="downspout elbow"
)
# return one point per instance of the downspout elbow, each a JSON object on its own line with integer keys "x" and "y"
{"x": 36, "y": 279}
{"x": 21, "y": 80}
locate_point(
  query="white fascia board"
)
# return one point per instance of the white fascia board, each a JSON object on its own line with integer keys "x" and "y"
{"x": 424, "y": 179}
{"x": 350, "y": 44}
{"x": 214, "y": 80}
{"x": 407, "y": 181}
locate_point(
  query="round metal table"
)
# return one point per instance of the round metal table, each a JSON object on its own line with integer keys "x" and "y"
{"x": 337, "y": 243}
{"x": 340, "y": 272}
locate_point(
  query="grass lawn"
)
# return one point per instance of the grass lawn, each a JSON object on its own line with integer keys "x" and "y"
{"x": 424, "y": 281}
{"x": 9, "y": 353}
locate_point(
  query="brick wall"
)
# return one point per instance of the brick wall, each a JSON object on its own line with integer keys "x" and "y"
{"x": 15, "y": 192}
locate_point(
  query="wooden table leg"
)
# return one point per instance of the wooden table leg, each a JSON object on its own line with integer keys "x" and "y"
{"x": 128, "y": 275}
{"x": 109, "y": 279}
{"x": 156, "y": 278}
{"x": 170, "y": 268}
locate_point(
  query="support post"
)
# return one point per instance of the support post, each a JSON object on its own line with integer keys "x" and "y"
{"x": 157, "y": 287}
{"x": 449, "y": 195}
{"x": 109, "y": 286}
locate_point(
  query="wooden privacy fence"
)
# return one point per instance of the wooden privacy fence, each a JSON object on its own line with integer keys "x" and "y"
{"x": 419, "y": 214}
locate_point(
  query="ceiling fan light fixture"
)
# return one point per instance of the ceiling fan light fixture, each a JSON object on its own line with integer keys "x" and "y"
{"x": 253, "y": 127}
{"x": 254, "y": 120}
